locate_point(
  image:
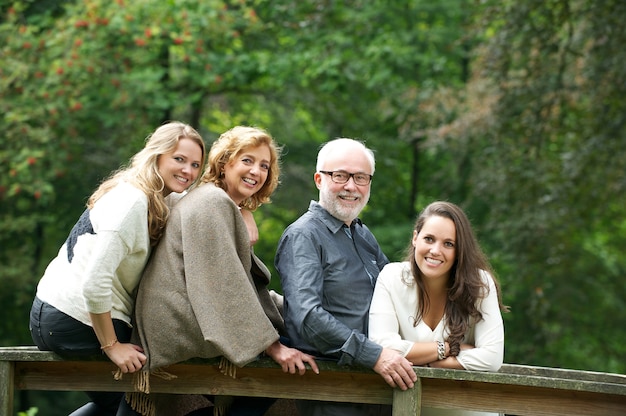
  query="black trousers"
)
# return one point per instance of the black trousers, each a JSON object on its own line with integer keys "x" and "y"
{"x": 53, "y": 330}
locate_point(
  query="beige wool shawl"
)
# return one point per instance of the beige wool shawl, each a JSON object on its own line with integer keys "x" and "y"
{"x": 204, "y": 292}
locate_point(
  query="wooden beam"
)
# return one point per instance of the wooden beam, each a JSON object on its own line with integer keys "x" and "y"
{"x": 207, "y": 379}
{"x": 408, "y": 402}
{"x": 515, "y": 389}
{"x": 519, "y": 400}
{"x": 6, "y": 387}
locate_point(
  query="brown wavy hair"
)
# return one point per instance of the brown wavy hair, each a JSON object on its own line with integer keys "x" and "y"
{"x": 229, "y": 146}
{"x": 465, "y": 285}
{"x": 143, "y": 172}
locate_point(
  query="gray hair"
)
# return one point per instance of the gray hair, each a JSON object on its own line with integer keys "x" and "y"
{"x": 339, "y": 143}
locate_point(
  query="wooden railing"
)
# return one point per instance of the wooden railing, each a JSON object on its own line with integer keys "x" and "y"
{"x": 515, "y": 389}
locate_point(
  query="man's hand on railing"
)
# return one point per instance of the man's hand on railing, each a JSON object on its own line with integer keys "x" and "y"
{"x": 396, "y": 370}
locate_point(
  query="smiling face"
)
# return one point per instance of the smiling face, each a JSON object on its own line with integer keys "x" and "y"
{"x": 180, "y": 168}
{"x": 247, "y": 172}
{"x": 435, "y": 247}
{"x": 344, "y": 201}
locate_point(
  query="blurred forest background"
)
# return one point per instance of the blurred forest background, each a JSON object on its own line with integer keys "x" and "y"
{"x": 515, "y": 110}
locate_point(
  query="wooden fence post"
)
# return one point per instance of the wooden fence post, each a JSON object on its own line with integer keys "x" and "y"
{"x": 7, "y": 369}
{"x": 408, "y": 402}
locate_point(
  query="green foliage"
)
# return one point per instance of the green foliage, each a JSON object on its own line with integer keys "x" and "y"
{"x": 30, "y": 412}
{"x": 551, "y": 176}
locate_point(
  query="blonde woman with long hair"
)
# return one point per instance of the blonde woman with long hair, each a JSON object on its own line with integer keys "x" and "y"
{"x": 85, "y": 298}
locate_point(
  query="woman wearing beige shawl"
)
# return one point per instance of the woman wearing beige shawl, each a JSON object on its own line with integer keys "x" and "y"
{"x": 204, "y": 293}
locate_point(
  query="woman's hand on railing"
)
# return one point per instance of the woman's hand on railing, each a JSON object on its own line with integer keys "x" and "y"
{"x": 290, "y": 359}
{"x": 128, "y": 357}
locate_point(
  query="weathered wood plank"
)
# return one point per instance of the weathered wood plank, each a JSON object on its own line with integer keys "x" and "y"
{"x": 273, "y": 382}
{"x": 508, "y": 374}
{"x": 562, "y": 373}
{"x": 557, "y": 379}
{"x": 408, "y": 402}
{"x": 516, "y": 389}
{"x": 6, "y": 388}
{"x": 68, "y": 376}
{"x": 27, "y": 353}
{"x": 331, "y": 386}
{"x": 518, "y": 400}
{"x": 207, "y": 379}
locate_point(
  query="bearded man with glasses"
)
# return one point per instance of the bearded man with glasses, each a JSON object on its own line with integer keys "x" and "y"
{"x": 328, "y": 262}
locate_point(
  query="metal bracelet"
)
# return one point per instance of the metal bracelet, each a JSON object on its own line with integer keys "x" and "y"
{"x": 441, "y": 350}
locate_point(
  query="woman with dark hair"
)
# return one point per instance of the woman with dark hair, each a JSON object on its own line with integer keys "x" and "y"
{"x": 442, "y": 306}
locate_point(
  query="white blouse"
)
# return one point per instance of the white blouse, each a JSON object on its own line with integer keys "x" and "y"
{"x": 392, "y": 317}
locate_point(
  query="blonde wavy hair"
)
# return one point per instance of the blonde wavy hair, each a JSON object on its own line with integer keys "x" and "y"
{"x": 229, "y": 146}
{"x": 143, "y": 172}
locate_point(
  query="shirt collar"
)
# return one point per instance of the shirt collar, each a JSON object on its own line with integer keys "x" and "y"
{"x": 331, "y": 222}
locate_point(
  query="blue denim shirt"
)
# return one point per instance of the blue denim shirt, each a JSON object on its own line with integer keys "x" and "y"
{"x": 328, "y": 272}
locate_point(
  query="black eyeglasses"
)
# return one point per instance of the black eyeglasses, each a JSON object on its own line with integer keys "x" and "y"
{"x": 341, "y": 176}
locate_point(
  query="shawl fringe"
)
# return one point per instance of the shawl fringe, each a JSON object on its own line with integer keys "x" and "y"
{"x": 141, "y": 403}
{"x": 140, "y": 400}
{"x": 223, "y": 403}
{"x": 228, "y": 368}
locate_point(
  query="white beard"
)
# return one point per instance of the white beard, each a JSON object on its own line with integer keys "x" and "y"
{"x": 333, "y": 204}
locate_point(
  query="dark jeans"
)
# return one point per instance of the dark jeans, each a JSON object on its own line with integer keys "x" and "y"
{"x": 52, "y": 330}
